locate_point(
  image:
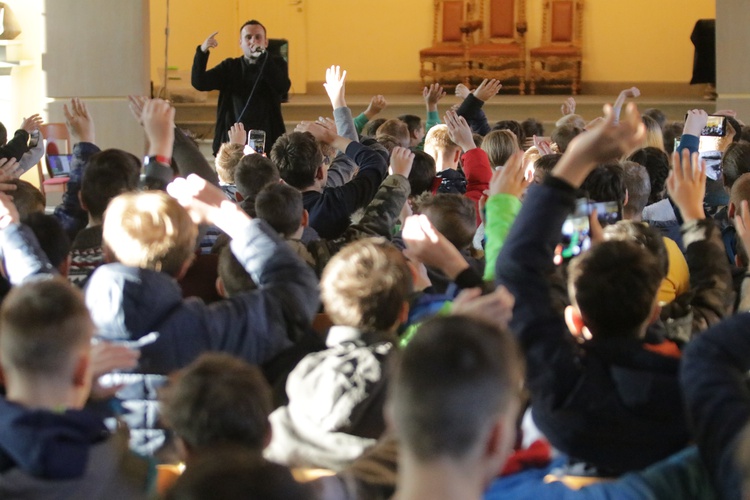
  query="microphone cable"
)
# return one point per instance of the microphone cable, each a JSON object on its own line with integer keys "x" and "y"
{"x": 265, "y": 56}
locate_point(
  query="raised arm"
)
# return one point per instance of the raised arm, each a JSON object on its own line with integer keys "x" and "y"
{"x": 471, "y": 107}
{"x": 19, "y": 144}
{"x": 631, "y": 93}
{"x": 526, "y": 259}
{"x": 82, "y": 131}
{"x": 21, "y": 254}
{"x": 200, "y": 78}
{"x": 377, "y": 104}
{"x": 476, "y": 164}
{"x": 507, "y": 186}
{"x": 336, "y": 88}
{"x": 711, "y": 296}
{"x": 254, "y": 325}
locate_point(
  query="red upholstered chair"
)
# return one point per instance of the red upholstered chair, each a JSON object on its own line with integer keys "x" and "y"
{"x": 447, "y": 59}
{"x": 557, "y": 63}
{"x": 57, "y": 141}
{"x": 501, "y": 53}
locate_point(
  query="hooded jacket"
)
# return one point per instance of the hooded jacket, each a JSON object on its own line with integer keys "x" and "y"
{"x": 46, "y": 455}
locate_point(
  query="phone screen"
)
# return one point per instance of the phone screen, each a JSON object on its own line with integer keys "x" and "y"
{"x": 716, "y": 126}
{"x": 608, "y": 212}
{"x": 575, "y": 233}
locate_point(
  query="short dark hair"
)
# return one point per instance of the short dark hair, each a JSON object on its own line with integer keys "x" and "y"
{"x": 514, "y": 127}
{"x": 253, "y": 22}
{"x": 253, "y": 173}
{"x": 454, "y": 215}
{"x": 614, "y": 285}
{"x": 656, "y": 162}
{"x": 42, "y": 323}
{"x": 298, "y": 157}
{"x": 657, "y": 115}
{"x": 52, "y": 238}
{"x": 532, "y": 127}
{"x": 638, "y": 185}
{"x": 27, "y": 198}
{"x": 454, "y": 378}
{"x": 233, "y": 473}
{"x": 370, "y": 129}
{"x": 3, "y": 135}
{"x": 643, "y": 234}
{"x": 108, "y": 174}
{"x": 218, "y": 399}
{"x": 606, "y": 183}
{"x": 735, "y": 162}
{"x": 422, "y": 173}
{"x": 562, "y": 136}
{"x": 544, "y": 165}
{"x": 233, "y": 274}
{"x": 281, "y": 207}
{"x": 413, "y": 122}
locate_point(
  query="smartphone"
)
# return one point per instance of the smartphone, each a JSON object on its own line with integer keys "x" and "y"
{"x": 576, "y": 233}
{"x": 716, "y": 126}
{"x": 608, "y": 212}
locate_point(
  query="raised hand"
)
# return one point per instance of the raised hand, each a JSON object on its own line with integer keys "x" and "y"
{"x": 462, "y": 91}
{"x": 427, "y": 245}
{"x": 568, "y": 107}
{"x": 204, "y": 202}
{"x": 136, "y": 103}
{"x": 695, "y": 121}
{"x": 377, "y": 104}
{"x": 9, "y": 169}
{"x": 686, "y": 185}
{"x": 401, "y": 161}
{"x": 210, "y": 42}
{"x": 495, "y": 308}
{"x": 487, "y": 89}
{"x": 79, "y": 122}
{"x": 106, "y": 357}
{"x": 335, "y": 86}
{"x": 432, "y": 96}
{"x": 459, "y": 131}
{"x": 237, "y": 134}
{"x": 510, "y": 179}
{"x": 158, "y": 122}
{"x": 31, "y": 123}
{"x": 542, "y": 145}
{"x": 319, "y": 130}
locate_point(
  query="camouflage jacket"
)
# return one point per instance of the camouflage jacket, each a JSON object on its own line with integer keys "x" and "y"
{"x": 379, "y": 219}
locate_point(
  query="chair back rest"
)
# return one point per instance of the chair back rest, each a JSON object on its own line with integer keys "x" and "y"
{"x": 563, "y": 22}
{"x": 449, "y": 16}
{"x": 57, "y": 140}
{"x": 503, "y": 21}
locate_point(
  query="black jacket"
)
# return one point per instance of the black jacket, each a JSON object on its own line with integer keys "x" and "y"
{"x": 234, "y": 79}
{"x": 610, "y": 402}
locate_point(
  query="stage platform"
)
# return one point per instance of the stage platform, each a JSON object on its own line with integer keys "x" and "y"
{"x": 200, "y": 117}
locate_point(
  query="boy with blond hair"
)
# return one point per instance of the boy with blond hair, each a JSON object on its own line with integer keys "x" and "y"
{"x": 336, "y": 396}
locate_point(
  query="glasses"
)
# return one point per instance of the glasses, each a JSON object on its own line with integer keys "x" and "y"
{"x": 326, "y": 160}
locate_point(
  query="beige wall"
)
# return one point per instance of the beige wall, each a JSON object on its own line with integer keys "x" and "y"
{"x": 633, "y": 41}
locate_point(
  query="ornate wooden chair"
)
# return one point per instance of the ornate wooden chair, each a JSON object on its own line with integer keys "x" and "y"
{"x": 557, "y": 63}
{"x": 447, "y": 59}
{"x": 501, "y": 52}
